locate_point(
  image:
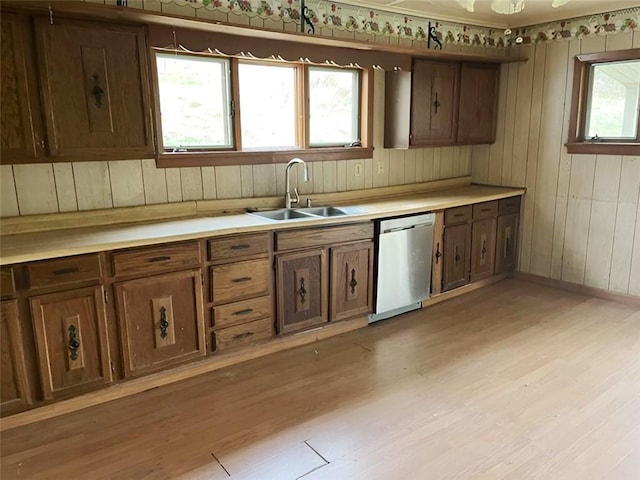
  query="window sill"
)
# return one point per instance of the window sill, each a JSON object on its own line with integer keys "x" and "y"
{"x": 604, "y": 148}
{"x": 203, "y": 159}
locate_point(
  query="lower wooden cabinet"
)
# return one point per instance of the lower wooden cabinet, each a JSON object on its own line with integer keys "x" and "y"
{"x": 302, "y": 289}
{"x": 457, "y": 253}
{"x": 14, "y": 390}
{"x": 351, "y": 280}
{"x": 161, "y": 321}
{"x": 483, "y": 243}
{"x": 71, "y": 340}
{"x": 506, "y": 245}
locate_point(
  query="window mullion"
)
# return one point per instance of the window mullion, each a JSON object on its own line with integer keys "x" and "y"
{"x": 235, "y": 105}
{"x": 302, "y": 105}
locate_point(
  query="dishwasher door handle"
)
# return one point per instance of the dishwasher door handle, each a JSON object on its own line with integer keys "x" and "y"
{"x": 410, "y": 227}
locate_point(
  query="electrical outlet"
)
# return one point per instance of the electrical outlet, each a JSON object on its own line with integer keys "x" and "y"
{"x": 380, "y": 168}
{"x": 358, "y": 170}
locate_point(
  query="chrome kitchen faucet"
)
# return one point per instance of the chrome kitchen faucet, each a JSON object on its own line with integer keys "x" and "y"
{"x": 288, "y": 199}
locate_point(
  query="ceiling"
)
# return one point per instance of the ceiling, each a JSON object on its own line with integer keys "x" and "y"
{"x": 535, "y": 11}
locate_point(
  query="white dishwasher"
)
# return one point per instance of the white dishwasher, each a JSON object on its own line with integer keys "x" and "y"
{"x": 403, "y": 277}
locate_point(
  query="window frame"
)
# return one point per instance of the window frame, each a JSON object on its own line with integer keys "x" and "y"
{"x": 577, "y": 142}
{"x": 236, "y": 155}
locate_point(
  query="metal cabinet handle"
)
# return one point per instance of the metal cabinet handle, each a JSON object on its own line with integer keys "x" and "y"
{"x": 65, "y": 271}
{"x": 74, "y": 342}
{"x": 436, "y": 103}
{"x": 438, "y": 254}
{"x": 97, "y": 91}
{"x": 242, "y": 335}
{"x": 241, "y": 279}
{"x": 457, "y": 256}
{"x": 302, "y": 292}
{"x": 163, "y": 323}
{"x": 162, "y": 258}
{"x": 353, "y": 283}
{"x": 240, "y": 247}
{"x": 246, "y": 311}
{"x": 507, "y": 247}
{"x": 484, "y": 249}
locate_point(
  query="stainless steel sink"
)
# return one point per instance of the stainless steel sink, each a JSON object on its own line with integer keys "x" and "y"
{"x": 323, "y": 211}
{"x": 282, "y": 214}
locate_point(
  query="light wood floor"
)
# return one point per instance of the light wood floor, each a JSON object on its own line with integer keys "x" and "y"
{"x": 512, "y": 381}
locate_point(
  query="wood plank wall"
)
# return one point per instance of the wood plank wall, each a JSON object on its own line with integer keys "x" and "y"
{"x": 581, "y": 221}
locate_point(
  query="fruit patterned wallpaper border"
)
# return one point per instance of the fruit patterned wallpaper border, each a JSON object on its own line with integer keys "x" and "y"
{"x": 336, "y": 16}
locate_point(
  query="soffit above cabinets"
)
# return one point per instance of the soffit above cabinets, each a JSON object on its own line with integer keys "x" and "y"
{"x": 535, "y": 11}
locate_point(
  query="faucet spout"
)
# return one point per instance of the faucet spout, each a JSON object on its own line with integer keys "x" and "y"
{"x": 288, "y": 198}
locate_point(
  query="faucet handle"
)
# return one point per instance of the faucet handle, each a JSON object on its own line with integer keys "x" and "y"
{"x": 296, "y": 198}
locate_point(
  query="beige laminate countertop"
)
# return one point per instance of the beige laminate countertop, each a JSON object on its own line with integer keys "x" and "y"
{"x": 59, "y": 243}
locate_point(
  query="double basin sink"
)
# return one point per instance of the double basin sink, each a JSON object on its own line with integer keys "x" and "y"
{"x": 302, "y": 213}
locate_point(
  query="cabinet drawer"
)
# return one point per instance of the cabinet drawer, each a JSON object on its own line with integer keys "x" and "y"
{"x": 510, "y": 205}
{"x": 454, "y": 216}
{"x": 319, "y": 237}
{"x": 239, "y": 280}
{"x": 238, "y": 246}
{"x": 156, "y": 259}
{"x": 7, "y": 282}
{"x": 64, "y": 270}
{"x": 243, "y": 334}
{"x": 482, "y": 211}
{"x": 240, "y": 312}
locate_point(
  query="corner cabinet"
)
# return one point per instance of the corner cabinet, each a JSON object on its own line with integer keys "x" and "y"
{"x": 441, "y": 103}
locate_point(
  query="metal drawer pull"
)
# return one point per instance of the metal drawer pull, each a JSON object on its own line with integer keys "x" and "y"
{"x": 74, "y": 343}
{"x": 163, "y": 258}
{"x": 459, "y": 215}
{"x": 485, "y": 209}
{"x": 163, "y": 324}
{"x": 242, "y": 335}
{"x": 246, "y": 311}
{"x": 240, "y": 247}
{"x": 353, "y": 283}
{"x": 241, "y": 279}
{"x": 65, "y": 271}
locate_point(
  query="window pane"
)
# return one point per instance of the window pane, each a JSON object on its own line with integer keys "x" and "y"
{"x": 333, "y": 106}
{"x": 267, "y": 105}
{"x": 194, "y": 101}
{"x": 612, "y": 110}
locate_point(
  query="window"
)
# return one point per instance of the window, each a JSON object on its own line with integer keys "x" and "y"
{"x": 224, "y": 111}
{"x": 605, "y": 112}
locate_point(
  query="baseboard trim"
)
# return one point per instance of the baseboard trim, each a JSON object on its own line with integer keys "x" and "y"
{"x": 580, "y": 289}
{"x": 456, "y": 292}
{"x": 215, "y": 362}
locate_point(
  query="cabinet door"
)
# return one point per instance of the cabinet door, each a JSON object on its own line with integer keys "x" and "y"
{"x": 506, "y": 246}
{"x": 434, "y": 103}
{"x": 457, "y": 250}
{"x": 161, "y": 321}
{"x": 95, "y": 89}
{"x": 20, "y": 127}
{"x": 351, "y": 280}
{"x": 478, "y": 103}
{"x": 71, "y": 340}
{"x": 302, "y": 289}
{"x": 483, "y": 247}
{"x": 14, "y": 391}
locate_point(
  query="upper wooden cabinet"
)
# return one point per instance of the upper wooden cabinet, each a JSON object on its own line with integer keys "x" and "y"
{"x": 441, "y": 103}
{"x": 434, "y": 103}
{"x": 94, "y": 88}
{"x": 21, "y": 136}
{"x": 478, "y": 102}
